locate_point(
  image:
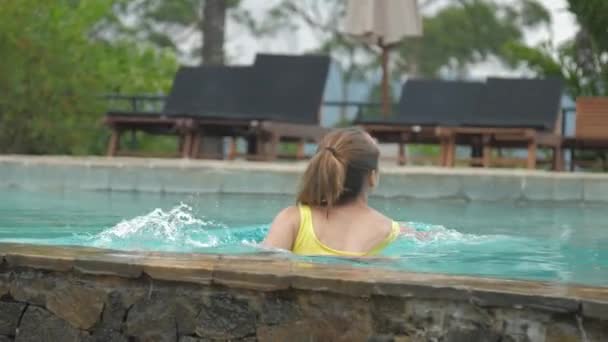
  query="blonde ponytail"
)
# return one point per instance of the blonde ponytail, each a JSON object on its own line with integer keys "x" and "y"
{"x": 323, "y": 180}
{"x": 337, "y": 171}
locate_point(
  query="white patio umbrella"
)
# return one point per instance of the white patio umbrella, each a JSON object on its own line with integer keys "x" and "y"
{"x": 383, "y": 23}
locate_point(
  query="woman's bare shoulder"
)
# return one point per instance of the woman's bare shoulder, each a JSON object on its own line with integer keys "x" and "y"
{"x": 289, "y": 214}
{"x": 283, "y": 229}
{"x": 381, "y": 220}
{"x": 379, "y": 216}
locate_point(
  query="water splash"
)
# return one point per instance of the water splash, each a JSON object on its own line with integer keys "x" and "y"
{"x": 428, "y": 234}
{"x": 180, "y": 230}
{"x": 170, "y": 225}
{"x": 177, "y": 230}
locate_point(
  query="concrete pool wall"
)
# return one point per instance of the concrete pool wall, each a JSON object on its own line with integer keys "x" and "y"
{"x": 85, "y": 294}
{"x": 197, "y": 176}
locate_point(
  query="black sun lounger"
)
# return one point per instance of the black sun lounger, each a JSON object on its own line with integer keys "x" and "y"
{"x": 276, "y": 99}
{"x": 208, "y": 91}
{"x": 426, "y": 105}
{"x": 513, "y": 113}
{"x": 291, "y": 87}
{"x": 288, "y": 98}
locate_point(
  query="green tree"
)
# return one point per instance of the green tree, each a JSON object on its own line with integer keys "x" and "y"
{"x": 581, "y": 61}
{"x": 467, "y": 32}
{"x": 460, "y": 34}
{"x": 192, "y": 28}
{"x": 53, "y": 71}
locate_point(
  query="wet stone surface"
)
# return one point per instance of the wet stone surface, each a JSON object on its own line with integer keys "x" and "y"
{"x": 225, "y": 316}
{"x": 152, "y": 320}
{"x": 10, "y": 313}
{"x": 79, "y": 305}
{"x": 38, "y": 324}
{"x": 43, "y": 305}
{"x": 278, "y": 308}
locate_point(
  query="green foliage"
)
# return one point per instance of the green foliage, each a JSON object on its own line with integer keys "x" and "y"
{"x": 149, "y": 145}
{"x": 53, "y": 71}
{"x": 165, "y": 23}
{"x": 462, "y": 34}
{"x": 582, "y": 62}
{"x": 458, "y": 35}
{"x": 591, "y": 16}
{"x": 468, "y": 32}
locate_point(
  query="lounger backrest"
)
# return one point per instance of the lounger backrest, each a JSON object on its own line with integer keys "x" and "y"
{"x": 211, "y": 91}
{"x": 438, "y": 103}
{"x": 290, "y": 88}
{"x": 592, "y": 117}
{"x": 521, "y": 103}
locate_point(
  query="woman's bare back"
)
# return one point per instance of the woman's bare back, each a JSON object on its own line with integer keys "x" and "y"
{"x": 351, "y": 228}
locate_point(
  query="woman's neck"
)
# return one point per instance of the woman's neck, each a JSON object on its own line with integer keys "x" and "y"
{"x": 360, "y": 201}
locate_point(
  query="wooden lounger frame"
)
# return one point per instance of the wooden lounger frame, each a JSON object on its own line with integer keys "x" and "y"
{"x": 486, "y": 138}
{"x": 402, "y": 135}
{"x": 190, "y": 131}
{"x": 476, "y": 121}
{"x": 490, "y": 138}
{"x": 277, "y": 99}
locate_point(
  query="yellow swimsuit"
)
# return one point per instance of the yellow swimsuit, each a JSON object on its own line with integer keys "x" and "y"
{"x": 307, "y": 242}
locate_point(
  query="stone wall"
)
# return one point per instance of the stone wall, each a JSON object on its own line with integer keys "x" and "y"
{"x": 83, "y": 294}
{"x": 198, "y": 176}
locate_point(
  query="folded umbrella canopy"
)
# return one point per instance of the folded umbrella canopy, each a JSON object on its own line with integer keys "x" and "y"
{"x": 383, "y": 23}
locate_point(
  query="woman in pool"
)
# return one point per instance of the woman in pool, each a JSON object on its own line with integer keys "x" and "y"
{"x": 332, "y": 216}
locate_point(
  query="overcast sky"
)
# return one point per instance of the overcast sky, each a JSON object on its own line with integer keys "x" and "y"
{"x": 241, "y": 47}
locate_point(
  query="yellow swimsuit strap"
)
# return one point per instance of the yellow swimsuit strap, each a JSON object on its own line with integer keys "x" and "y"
{"x": 307, "y": 243}
{"x": 395, "y": 230}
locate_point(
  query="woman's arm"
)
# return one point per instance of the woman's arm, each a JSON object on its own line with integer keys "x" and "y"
{"x": 283, "y": 230}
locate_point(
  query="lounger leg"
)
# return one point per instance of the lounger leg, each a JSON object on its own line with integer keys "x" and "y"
{"x": 531, "y": 163}
{"x": 187, "y": 145}
{"x": 558, "y": 158}
{"x": 253, "y": 146}
{"x": 442, "y": 151}
{"x": 486, "y": 152}
{"x": 180, "y": 143}
{"x": 448, "y": 152}
{"x": 487, "y": 156}
{"x": 114, "y": 143}
{"x": 572, "y": 159}
{"x": 196, "y": 145}
{"x": 274, "y": 146}
{"x": 451, "y": 151}
{"x": 477, "y": 151}
{"x": 300, "y": 152}
{"x": 257, "y": 147}
{"x": 401, "y": 157}
{"x": 232, "y": 151}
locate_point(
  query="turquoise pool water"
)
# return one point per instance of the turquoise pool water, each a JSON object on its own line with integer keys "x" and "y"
{"x": 540, "y": 241}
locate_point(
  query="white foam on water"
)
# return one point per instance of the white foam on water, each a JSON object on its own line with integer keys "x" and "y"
{"x": 425, "y": 234}
{"x": 175, "y": 229}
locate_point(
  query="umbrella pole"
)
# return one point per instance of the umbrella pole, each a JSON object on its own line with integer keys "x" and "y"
{"x": 386, "y": 108}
